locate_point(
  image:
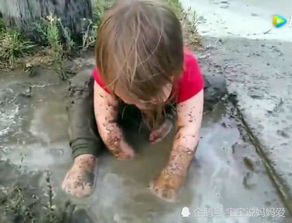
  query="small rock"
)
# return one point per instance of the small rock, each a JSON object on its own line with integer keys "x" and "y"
{"x": 282, "y": 133}
{"x": 224, "y": 124}
{"x": 256, "y": 96}
{"x": 33, "y": 70}
{"x": 27, "y": 92}
{"x": 246, "y": 181}
{"x": 248, "y": 163}
{"x": 268, "y": 203}
{"x": 224, "y": 6}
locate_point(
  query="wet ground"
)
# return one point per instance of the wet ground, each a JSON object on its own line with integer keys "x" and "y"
{"x": 226, "y": 174}
{"x": 250, "y": 19}
{"x": 242, "y": 44}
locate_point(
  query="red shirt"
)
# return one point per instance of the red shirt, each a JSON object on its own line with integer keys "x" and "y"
{"x": 188, "y": 85}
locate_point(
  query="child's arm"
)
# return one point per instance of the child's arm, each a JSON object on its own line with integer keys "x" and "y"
{"x": 189, "y": 118}
{"x": 105, "y": 109}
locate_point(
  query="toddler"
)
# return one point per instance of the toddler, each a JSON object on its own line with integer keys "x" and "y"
{"x": 143, "y": 69}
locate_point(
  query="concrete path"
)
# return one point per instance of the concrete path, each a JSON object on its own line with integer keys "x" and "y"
{"x": 241, "y": 44}
{"x": 250, "y": 19}
{"x": 228, "y": 180}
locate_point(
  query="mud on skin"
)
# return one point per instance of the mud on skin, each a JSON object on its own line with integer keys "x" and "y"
{"x": 113, "y": 138}
{"x": 161, "y": 132}
{"x": 172, "y": 177}
{"x": 79, "y": 181}
{"x": 112, "y": 135}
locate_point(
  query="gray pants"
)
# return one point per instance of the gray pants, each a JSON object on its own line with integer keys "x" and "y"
{"x": 83, "y": 134}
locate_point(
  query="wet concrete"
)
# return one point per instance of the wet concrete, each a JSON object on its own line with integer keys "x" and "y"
{"x": 242, "y": 45}
{"x": 226, "y": 173}
{"x": 258, "y": 72}
{"x": 250, "y": 19}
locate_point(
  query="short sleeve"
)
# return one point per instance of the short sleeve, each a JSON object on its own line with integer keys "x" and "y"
{"x": 191, "y": 82}
{"x": 96, "y": 76}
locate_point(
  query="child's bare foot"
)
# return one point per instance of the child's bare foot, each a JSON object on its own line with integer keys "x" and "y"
{"x": 166, "y": 185}
{"x": 79, "y": 180}
{"x": 160, "y": 133}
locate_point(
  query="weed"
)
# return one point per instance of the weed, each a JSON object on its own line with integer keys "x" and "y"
{"x": 69, "y": 44}
{"x": 99, "y": 6}
{"x": 2, "y": 25}
{"x": 53, "y": 37}
{"x": 56, "y": 47}
{"x": 176, "y": 6}
{"x": 59, "y": 43}
{"x": 15, "y": 205}
{"x": 89, "y": 35}
{"x": 12, "y": 46}
{"x": 51, "y": 33}
{"x": 187, "y": 18}
{"x": 28, "y": 202}
{"x": 189, "y": 26}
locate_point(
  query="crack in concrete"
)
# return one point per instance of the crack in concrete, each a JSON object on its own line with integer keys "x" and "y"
{"x": 283, "y": 190}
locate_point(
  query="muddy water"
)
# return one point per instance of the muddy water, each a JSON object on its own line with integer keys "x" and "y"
{"x": 226, "y": 173}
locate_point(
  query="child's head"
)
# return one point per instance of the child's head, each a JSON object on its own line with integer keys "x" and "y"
{"x": 139, "y": 50}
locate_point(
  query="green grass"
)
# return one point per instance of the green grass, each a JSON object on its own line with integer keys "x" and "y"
{"x": 55, "y": 44}
{"x": 2, "y": 25}
{"x": 187, "y": 18}
{"x": 189, "y": 25}
{"x": 57, "y": 40}
{"x": 188, "y": 21}
{"x": 59, "y": 43}
{"x": 89, "y": 36}
{"x": 176, "y": 6}
{"x": 12, "y": 46}
{"x": 27, "y": 203}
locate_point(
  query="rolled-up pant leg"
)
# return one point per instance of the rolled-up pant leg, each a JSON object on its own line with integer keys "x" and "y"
{"x": 83, "y": 134}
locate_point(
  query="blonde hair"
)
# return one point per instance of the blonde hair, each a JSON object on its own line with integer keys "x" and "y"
{"x": 139, "y": 49}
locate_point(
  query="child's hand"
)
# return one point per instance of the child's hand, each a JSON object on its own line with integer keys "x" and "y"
{"x": 106, "y": 112}
{"x": 160, "y": 133}
{"x": 172, "y": 177}
{"x": 113, "y": 138}
{"x": 166, "y": 185}
{"x": 125, "y": 151}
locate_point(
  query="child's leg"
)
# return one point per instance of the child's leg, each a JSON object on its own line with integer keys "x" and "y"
{"x": 84, "y": 138}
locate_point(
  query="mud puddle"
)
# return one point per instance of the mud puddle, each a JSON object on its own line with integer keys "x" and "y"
{"x": 226, "y": 173}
